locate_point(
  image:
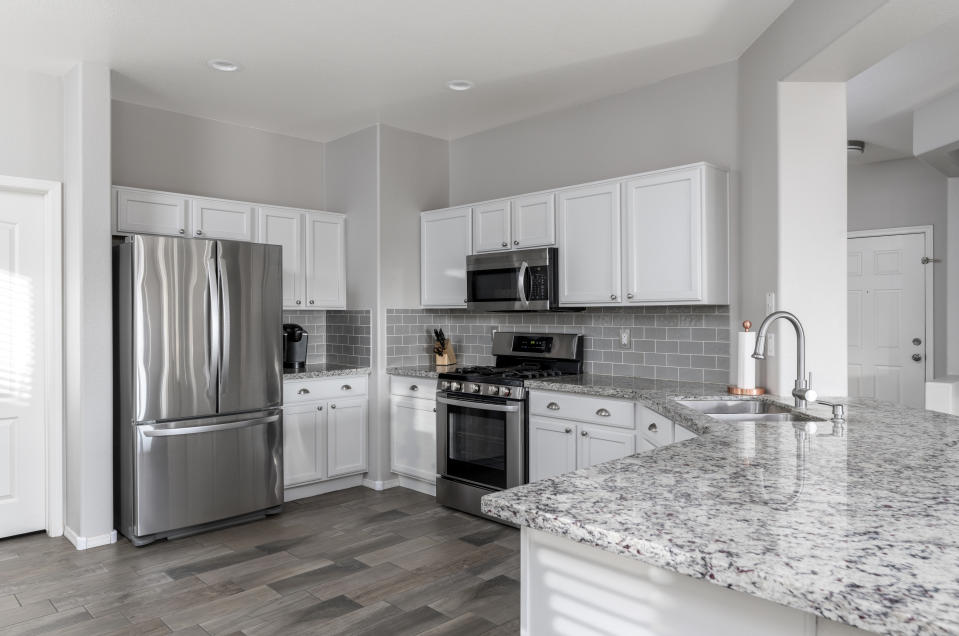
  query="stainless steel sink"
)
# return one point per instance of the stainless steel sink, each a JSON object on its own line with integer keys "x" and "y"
{"x": 729, "y": 407}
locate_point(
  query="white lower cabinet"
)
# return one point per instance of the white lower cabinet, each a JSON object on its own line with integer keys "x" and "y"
{"x": 598, "y": 444}
{"x": 324, "y": 434}
{"x": 552, "y": 447}
{"x": 413, "y": 428}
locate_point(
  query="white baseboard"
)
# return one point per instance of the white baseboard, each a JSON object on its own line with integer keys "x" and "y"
{"x": 85, "y": 543}
{"x": 321, "y": 487}
{"x": 419, "y": 486}
{"x": 381, "y": 485}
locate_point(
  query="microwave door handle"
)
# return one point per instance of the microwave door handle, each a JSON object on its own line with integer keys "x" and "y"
{"x": 521, "y": 284}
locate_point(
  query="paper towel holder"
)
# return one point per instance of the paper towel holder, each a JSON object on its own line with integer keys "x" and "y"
{"x": 735, "y": 390}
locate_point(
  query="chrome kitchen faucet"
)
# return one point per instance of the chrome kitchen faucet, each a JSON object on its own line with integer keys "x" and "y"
{"x": 802, "y": 392}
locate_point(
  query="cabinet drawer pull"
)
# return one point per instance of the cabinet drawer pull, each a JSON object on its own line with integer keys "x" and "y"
{"x": 319, "y": 408}
{"x": 332, "y": 406}
{"x": 347, "y": 387}
{"x": 413, "y": 387}
{"x": 652, "y": 428}
{"x": 602, "y": 413}
{"x": 568, "y": 430}
{"x": 585, "y": 433}
{"x": 553, "y": 406}
{"x": 303, "y": 391}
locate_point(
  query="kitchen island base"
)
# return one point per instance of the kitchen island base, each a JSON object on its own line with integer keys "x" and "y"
{"x": 572, "y": 588}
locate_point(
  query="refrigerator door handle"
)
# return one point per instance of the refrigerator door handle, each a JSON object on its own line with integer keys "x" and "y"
{"x": 154, "y": 430}
{"x": 213, "y": 324}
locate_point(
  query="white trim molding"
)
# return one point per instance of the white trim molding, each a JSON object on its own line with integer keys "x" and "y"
{"x": 85, "y": 543}
{"x": 418, "y": 485}
{"x": 52, "y": 343}
{"x": 381, "y": 484}
{"x": 929, "y": 275}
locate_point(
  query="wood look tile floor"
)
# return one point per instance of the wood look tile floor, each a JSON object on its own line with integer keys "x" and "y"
{"x": 355, "y": 561}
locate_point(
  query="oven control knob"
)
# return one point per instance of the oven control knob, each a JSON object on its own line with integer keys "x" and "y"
{"x": 506, "y": 391}
{"x": 444, "y": 385}
{"x": 494, "y": 390}
{"x": 475, "y": 388}
{"x": 456, "y": 386}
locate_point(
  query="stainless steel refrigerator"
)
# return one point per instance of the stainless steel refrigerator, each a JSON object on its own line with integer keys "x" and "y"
{"x": 198, "y": 373}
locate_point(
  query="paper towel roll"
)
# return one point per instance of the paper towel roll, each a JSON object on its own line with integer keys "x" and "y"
{"x": 746, "y": 375}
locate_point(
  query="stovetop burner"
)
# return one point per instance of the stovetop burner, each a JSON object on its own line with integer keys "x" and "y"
{"x": 528, "y": 371}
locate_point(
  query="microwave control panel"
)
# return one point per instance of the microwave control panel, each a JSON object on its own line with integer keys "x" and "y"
{"x": 538, "y": 288}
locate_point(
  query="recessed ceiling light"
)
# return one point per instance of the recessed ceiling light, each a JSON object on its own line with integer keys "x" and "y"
{"x": 224, "y": 65}
{"x": 459, "y": 85}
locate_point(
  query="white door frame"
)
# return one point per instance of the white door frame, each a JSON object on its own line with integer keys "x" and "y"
{"x": 928, "y": 275}
{"x": 52, "y": 471}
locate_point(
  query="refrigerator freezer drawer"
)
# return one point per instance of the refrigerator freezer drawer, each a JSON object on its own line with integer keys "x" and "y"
{"x": 199, "y": 471}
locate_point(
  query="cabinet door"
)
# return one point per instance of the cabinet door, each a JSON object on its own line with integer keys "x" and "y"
{"x": 534, "y": 221}
{"x": 151, "y": 212}
{"x": 597, "y": 444}
{"x": 589, "y": 245}
{"x": 346, "y": 437}
{"x": 413, "y": 437}
{"x": 325, "y": 261}
{"x": 552, "y": 447}
{"x": 304, "y": 438}
{"x": 445, "y": 238}
{"x": 664, "y": 237}
{"x": 491, "y": 227}
{"x": 285, "y": 228}
{"x": 228, "y": 220}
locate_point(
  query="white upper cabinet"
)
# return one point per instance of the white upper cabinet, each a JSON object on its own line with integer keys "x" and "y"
{"x": 533, "y": 221}
{"x": 283, "y": 227}
{"x": 144, "y": 212}
{"x": 676, "y": 237}
{"x": 228, "y": 220}
{"x": 491, "y": 227}
{"x": 588, "y": 228}
{"x": 445, "y": 241}
{"x": 325, "y": 260}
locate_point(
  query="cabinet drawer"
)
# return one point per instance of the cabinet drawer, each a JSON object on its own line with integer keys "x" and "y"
{"x": 605, "y": 411}
{"x": 655, "y": 428}
{"x": 295, "y": 391}
{"x": 424, "y": 388}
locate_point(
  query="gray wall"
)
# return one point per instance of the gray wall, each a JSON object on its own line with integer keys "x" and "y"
{"x": 680, "y": 120}
{"x": 31, "y": 125}
{"x": 162, "y": 150}
{"x": 414, "y": 176}
{"x": 904, "y": 193}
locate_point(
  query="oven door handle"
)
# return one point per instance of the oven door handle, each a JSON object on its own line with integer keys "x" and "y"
{"x": 521, "y": 284}
{"x": 483, "y": 406}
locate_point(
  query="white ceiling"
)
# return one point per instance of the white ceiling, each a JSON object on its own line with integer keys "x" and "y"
{"x": 882, "y": 99}
{"x": 319, "y": 69}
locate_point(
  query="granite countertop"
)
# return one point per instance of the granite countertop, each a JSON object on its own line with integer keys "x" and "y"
{"x": 324, "y": 370}
{"x": 421, "y": 371}
{"x": 854, "y": 523}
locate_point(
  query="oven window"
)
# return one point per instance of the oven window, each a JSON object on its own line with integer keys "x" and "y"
{"x": 492, "y": 285}
{"x": 476, "y": 448}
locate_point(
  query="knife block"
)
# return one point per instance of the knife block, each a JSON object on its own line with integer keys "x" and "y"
{"x": 449, "y": 356}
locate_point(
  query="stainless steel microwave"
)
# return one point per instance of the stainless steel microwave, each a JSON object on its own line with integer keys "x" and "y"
{"x": 519, "y": 280}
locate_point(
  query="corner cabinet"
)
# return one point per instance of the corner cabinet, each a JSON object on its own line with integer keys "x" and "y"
{"x": 445, "y": 242}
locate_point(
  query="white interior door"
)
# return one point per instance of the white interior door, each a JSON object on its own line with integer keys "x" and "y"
{"x": 887, "y": 318}
{"x": 22, "y": 307}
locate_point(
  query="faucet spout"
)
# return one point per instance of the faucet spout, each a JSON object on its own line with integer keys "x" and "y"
{"x": 802, "y": 391}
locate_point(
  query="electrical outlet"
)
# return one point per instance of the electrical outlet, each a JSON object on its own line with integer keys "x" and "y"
{"x": 625, "y": 340}
{"x": 770, "y": 344}
{"x": 770, "y": 302}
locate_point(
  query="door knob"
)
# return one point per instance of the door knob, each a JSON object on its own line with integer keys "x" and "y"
{"x": 916, "y": 341}
{"x": 585, "y": 434}
{"x": 299, "y": 302}
{"x": 916, "y": 357}
{"x": 505, "y": 244}
{"x": 332, "y": 406}
{"x": 199, "y": 232}
{"x": 652, "y": 428}
{"x": 413, "y": 387}
{"x": 311, "y": 302}
{"x": 568, "y": 430}
{"x": 319, "y": 408}
{"x": 515, "y": 242}
{"x": 630, "y": 296}
{"x": 182, "y": 231}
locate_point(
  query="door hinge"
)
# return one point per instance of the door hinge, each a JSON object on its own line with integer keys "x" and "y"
{"x": 925, "y": 260}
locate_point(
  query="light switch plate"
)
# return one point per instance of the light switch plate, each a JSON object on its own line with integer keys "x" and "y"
{"x": 770, "y": 303}
{"x": 625, "y": 339}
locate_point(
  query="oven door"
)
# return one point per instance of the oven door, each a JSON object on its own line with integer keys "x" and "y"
{"x": 481, "y": 442}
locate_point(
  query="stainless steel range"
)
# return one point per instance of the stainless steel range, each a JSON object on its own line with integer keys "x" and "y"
{"x": 481, "y": 415}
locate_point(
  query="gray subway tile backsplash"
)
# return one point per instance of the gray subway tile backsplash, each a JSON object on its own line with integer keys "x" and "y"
{"x": 677, "y": 342}
{"x": 336, "y": 336}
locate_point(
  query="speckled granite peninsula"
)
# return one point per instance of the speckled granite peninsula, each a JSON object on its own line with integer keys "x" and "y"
{"x": 422, "y": 371}
{"x": 324, "y": 370}
{"x": 855, "y": 522}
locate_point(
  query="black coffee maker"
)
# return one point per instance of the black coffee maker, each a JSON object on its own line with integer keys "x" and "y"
{"x": 295, "y": 345}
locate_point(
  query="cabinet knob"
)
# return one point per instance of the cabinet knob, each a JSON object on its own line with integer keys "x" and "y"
{"x": 199, "y": 232}
{"x": 346, "y": 387}
{"x": 182, "y": 231}
{"x": 602, "y": 413}
{"x": 629, "y": 296}
{"x": 612, "y": 296}
{"x": 568, "y": 430}
{"x": 319, "y": 408}
{"x": 413, "y": 387}
{"x": 332, "y": 406}
{"x": 515, "y": 242}
{"x": 505, "y": 244}
{"x": 464, "y": 301}
{"x": 299, "y": 302}
{"x": 311, "y": 301}
{"x": 303, "y": 391}
{"x": 553, "y": 406}
{"x": 917, "y": 357}
{"x": 434, "y": 409}
{"x": 584, "y": 433}
{"x": 652, "y": 428}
